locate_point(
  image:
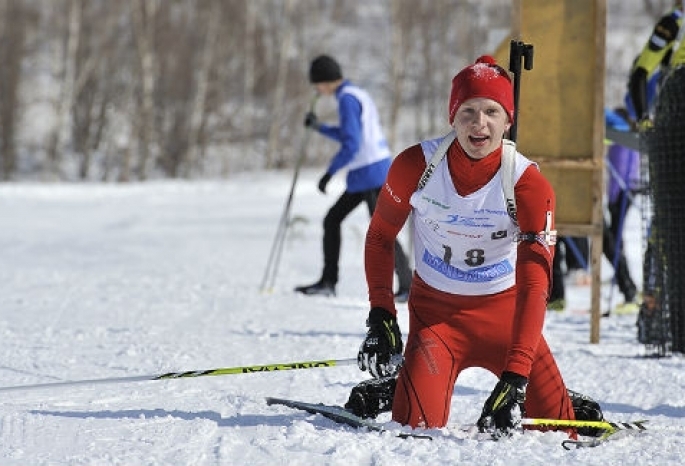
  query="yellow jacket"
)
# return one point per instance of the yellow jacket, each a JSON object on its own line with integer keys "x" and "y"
{"x": 662, "y": 49}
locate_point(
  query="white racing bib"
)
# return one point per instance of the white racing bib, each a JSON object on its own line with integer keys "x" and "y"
{"x": 464, "y": 244}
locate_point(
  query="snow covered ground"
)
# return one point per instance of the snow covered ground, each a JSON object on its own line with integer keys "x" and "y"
{"x": 106, "y": 281}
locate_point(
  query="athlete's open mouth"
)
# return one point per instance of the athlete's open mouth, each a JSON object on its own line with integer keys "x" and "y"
{"x": 478, "y": 140}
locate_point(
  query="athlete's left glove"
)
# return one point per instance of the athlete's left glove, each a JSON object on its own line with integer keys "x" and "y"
{"x": 503, "y": 410}
{"x": 381, "y": 351}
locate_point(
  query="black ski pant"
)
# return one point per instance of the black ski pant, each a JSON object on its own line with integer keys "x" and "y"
{"x": 610, "y": 237}
{"x": 345, "y": 204}
{"x": 564, "y": 253}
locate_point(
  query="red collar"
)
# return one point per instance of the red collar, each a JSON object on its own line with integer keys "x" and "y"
{"x": 469, "y": 175}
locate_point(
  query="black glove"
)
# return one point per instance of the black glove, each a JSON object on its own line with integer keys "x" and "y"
{"x": 381, "y": 351}
{"x": 323, "y": 182}
{"x": 499, "y": 414}
{"x": 311, "y": 120}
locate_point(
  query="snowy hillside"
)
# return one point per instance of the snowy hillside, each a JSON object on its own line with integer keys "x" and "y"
{"x": 101, "y": 281}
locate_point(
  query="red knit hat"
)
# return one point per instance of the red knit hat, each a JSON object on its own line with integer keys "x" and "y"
{"x": 486, "y": 79}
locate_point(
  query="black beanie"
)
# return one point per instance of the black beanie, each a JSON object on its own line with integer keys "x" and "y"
{"x": 324, "y": 69}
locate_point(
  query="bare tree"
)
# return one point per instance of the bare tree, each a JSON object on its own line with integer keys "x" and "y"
{"x": 95, "y": 79}
{"x": 657, "y": 8}
{"x": 13, "y": 21}
{"x": 144, "y": 13}
{"x": 280, "y": 82}
{"x": 197, "y": 112}
{"x": 65, "y": 62}
{"x": 249, "y": 65}
{"x": 401, "y": 20}
{"x": 439, "y": 62}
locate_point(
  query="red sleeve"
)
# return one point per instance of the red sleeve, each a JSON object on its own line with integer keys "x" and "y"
{"x": 391, "y": 212}
{"x": 534, "y": 198}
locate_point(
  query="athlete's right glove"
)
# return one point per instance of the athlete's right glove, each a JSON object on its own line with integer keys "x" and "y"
{"x": 381, "y": 351}
{"x": 311, "y": 121}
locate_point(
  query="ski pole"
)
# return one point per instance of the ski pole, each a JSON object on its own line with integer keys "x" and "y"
{"x": 517, "y": 51}
{"x": 277, "y": 246}
{"x": 191, "y": 374}
{"x": 606, "y": 425}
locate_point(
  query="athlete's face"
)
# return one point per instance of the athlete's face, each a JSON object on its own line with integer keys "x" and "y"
{"x": 480, "y": 124}
{"x": 326, "y": 88}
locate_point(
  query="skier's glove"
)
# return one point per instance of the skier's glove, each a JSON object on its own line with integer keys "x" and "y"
{"x": 311, "y": 121}
{"x": 381, "y": 351}
{"x": 645, "y": 125}
{"x": 323, "y": 182}
{"x": 503, "y": 410}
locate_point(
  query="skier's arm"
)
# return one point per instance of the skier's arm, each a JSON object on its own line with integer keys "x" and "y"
{"x": 534, "y": 198}
{"x": 391, "y": 212}
{"x": 659, "y": 44}
{"x": 348, "y": 134}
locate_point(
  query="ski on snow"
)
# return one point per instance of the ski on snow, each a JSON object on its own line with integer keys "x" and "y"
{"x": 611, "y": 430}
{"x": 341, "y": 416}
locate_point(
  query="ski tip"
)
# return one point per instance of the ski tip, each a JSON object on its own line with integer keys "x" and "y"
{"x": 569, "y": 444}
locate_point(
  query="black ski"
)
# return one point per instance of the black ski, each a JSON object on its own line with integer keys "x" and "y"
{"x": 341, "y": 416}
{"x": 612, "y": 430}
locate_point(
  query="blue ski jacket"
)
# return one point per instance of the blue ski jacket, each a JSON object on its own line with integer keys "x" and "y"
{"x": 364, "y": 151}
